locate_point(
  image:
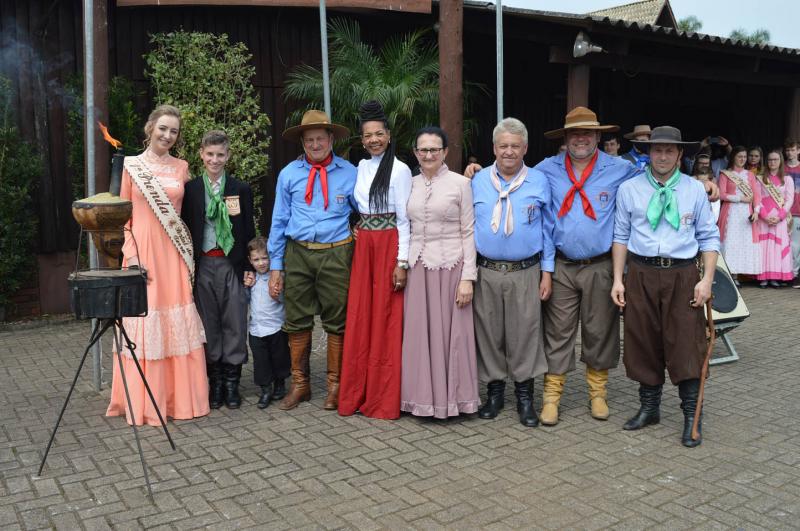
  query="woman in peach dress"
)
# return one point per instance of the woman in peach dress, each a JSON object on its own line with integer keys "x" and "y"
{"x": 169, "y": 340}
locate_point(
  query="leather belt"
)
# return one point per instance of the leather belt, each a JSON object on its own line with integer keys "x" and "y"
{"x": 216, "y": 251}
{"x": 661, "y": 262}
{"x": 505, "y": 266}
{"x": 316, "y": 246}
{"x": 586, "y": 261}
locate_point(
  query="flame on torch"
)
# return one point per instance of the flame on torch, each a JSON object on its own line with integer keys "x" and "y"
{"x": 110, "y": 139}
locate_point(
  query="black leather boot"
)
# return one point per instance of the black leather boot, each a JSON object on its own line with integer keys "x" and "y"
{"x": 650, "y": 410}
{"x": 265, "y": 398}
{"x": 688, "y": 390}
{"x": 527, "y": 415}
{"x": 278, "y": 389}
{"x": 215, "y": 385}
{"x": 494, "y": 399}
{"x": 233, "y": 373}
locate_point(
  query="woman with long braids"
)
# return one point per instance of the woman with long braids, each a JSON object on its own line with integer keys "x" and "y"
{"x": 370, "y": 381}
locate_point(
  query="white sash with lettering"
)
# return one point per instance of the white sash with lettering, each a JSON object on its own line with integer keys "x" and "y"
{"x": 162, "y": 207}
{"x": 740, "y": 183}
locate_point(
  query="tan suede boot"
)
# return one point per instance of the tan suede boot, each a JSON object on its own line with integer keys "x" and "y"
{"x": 335, "y": 348}
{"x": 299, "y": 343}
{"x": 553, "y": 387}
{"x": 597, "y": 380}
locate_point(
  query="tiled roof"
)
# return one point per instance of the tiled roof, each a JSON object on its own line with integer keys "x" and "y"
{"x": 643, "y": 12}
{"x": 604, "y": 20}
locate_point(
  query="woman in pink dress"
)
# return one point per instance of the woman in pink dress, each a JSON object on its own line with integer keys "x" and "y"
{"x": 169, "y": 340}
{"x": 777, "y": 196}
{"x": 439, "y": 371}
{"x": 741, "y": 201}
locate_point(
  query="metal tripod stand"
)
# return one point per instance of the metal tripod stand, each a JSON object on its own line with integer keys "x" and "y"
{"x": 102, "y": 326}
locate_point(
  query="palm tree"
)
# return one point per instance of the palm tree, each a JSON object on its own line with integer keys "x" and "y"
{"x": 403, "y": 75}
{"x": 690, "y": 24}
{"x": 759, "y": 36}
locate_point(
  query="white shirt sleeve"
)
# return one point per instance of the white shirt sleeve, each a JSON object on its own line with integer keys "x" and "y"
{"x": 401, "y": 182}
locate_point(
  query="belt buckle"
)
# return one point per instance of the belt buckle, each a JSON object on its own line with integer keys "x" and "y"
{"x": 664, "y": 262}
{"x": 504, "y": 267}
{"x": 585, "y": 261}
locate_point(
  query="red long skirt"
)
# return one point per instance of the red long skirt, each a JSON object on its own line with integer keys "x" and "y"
{"x": 371, "y": 364}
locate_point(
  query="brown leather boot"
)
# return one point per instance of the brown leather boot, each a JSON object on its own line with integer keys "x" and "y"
{"x": 299, "y": 343}
{"x": 335, "y": 348}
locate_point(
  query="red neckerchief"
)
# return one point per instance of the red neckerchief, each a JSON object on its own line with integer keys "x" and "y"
{"x": 320, "y": 167}
{"x": 578, "y": 187}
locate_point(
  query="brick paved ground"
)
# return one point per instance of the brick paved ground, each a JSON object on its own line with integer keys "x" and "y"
{"x": 310, "y": 468}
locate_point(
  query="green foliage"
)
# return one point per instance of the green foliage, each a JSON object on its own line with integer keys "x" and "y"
{"x": 403, "y": 75}
{"x": 210, "y": 81}
{"x": 20, "y": 167}
{"x": 759, "y": 36}
{"x": 124, "y": 125}
{"x": 690, "y": 24}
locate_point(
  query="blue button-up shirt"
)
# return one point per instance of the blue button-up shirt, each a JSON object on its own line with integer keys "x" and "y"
{"x": 577, "y": 235}
{"x": 532, "y": 234}
{"x": 293, "y": 218}
{"x": 697, "y": 229}
{"x": 266, "y": 314}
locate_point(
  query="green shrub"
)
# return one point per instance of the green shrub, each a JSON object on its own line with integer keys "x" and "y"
{"x": 20, "y": 168}
{"x": 210, "y": 80}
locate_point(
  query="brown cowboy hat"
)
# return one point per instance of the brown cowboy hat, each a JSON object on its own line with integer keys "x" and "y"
{"x": 580, "y": 118}
{"x": 666, "y": 134}
{"x": 638, "y": 130}
{"x": 314, "y": 119}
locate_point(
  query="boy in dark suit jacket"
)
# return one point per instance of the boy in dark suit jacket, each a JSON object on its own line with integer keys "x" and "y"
{"x": 218, "y": 210}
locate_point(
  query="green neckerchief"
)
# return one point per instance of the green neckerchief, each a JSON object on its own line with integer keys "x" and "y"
{"x": 217, "y": 212}
{"x": 663, "y": 202}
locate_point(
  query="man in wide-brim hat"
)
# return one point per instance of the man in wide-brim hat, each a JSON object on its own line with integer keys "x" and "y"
{"x": 663, "y": 219}
{"x": 635, "y": 156}
{"x": 310, "y": 248}
{"x": 583, "y": 184}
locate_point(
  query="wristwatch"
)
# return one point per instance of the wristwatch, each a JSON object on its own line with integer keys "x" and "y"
{"x": 402, "y": 264}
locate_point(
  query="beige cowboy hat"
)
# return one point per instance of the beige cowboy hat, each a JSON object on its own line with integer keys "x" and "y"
{"x": 638, "y": 130}
{"x": 314, "y": 119}
{"x": 580, "y": 118}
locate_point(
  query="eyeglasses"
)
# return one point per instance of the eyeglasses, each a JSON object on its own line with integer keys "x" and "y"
{"x": 429, "y": 151}
{"x": 380, "y": 135}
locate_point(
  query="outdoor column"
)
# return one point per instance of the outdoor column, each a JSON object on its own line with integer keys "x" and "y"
{"x": 102, "y": 154}
{"x": 451, "y": 96}
{"x": 577, "y": 86}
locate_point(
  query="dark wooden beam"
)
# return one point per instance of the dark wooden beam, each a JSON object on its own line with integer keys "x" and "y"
{"x": 577, "y": 86}
{"x": 451, "y": 83}
{"x": 411, "y": 6}
{"x": 102, "y": 158}
{"x": 793, "y": 124}
{"x": 632, "y": 64}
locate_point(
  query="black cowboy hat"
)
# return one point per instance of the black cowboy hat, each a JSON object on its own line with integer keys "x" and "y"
{"x": 666, "y": 134}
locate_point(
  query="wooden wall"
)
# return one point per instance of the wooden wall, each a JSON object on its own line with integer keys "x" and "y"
{"x": 41, "y": 49}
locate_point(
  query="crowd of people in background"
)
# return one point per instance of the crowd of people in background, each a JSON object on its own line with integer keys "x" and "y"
{"x": 759, "y": 197}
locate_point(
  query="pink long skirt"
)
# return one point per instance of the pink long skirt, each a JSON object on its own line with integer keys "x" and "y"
{"x": 440, "y": 376}
{"x": 179, "y": 385}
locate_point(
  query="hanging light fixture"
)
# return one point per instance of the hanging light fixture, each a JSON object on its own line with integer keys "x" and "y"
{"x": 584, "y": 46}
